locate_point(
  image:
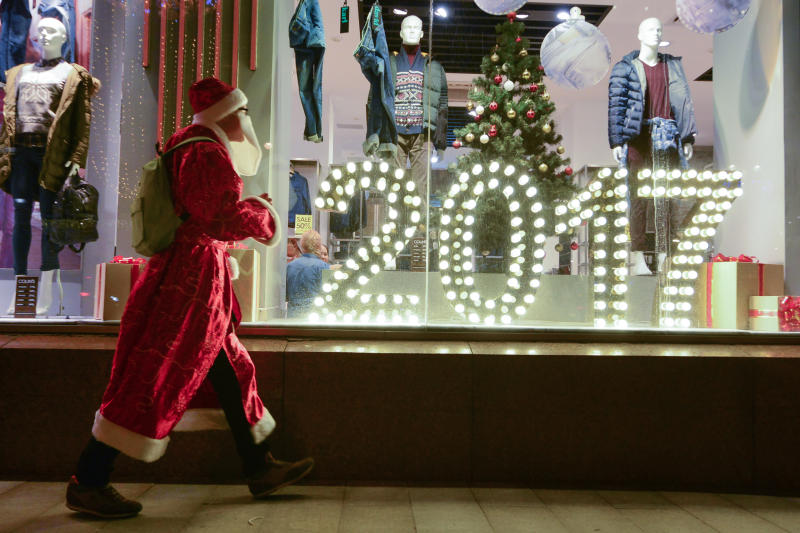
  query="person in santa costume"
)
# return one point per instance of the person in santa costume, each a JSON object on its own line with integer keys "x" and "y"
{"x": 178, "y": 358}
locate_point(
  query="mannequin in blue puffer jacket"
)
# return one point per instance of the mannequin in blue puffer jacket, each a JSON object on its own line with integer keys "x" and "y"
{"x": 648, "y": 88}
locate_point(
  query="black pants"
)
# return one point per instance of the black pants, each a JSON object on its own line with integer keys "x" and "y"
{"x": 97, "y": 460}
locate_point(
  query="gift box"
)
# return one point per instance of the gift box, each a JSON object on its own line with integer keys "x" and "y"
{"x": 764, "y": 313}
{"x": 724, "y": 289}
{"x": 246, "y": 286}
{"x": 112, "y": 286}
{"x": 789, "y": 313}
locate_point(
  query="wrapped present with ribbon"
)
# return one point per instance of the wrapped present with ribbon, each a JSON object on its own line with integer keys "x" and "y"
{"x": 789, "y": 313}
{"x": 246, "y": 285}
{"x": 764, "y": 313}
{"x": 112, "y": 285}
{"x": 725, "y": 286}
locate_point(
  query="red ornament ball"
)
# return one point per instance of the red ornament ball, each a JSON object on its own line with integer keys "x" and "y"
{"x": 533, "y": 87}
{"x": 568, "y": 171}
{"x": 518, "y": 39}
{"x": 493, "y": 131}
{"x": 531, "y": 114}
{"x": 573, "y": 246}
{"x": 511, "y": 16}
{"x": 540, "y": 67}
{"x": 456, "y": 144}
{"x": 498, "y": 79}
{"x": 478, "y": 118}
{"x": 493, "y": 106}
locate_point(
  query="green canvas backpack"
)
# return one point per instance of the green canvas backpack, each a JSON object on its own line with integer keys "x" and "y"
{"x": 153, "y": 213}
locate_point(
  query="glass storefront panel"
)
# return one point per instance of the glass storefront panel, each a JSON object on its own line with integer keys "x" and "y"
{"x": 482, "y": 163}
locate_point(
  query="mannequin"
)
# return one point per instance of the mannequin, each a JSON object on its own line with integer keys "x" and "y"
{"x": 420, "y": 104}
{"x": 45, "y": 142}
{"x": 649, "y": 90}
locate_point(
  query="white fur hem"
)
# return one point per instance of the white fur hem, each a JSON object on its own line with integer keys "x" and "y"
{"x": 202, "y": 420}
{"x": 128, "y": 442}
{"x": 263, "y": 428}
{"x": 230, "y": 103}
{"x": 276, "y": 238}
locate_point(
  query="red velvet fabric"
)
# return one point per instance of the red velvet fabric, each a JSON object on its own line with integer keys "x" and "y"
{"x": 207, "y": 92}
{"x": 181, "y": 312}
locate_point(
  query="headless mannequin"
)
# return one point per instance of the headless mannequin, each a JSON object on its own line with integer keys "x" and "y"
{"x": 46, "y": 76}
{"x": 650, "y": 32}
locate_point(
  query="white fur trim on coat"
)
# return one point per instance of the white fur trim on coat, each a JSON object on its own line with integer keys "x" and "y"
{"x": 276, "y": 238}
{"x": 202, "y": 419}
{"x": 230, "y": 103}
{"x": 128, "y": 442}
{"x": 263, "y": 428}
{"x": 214, "y": 419}
{"x": 233, "y": 264}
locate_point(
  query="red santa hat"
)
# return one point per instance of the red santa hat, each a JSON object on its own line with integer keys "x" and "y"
{"x": 213, "y": 100}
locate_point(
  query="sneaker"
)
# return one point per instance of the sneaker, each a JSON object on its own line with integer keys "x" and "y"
{"x": 279, "y": 474}
{"x": 104, "y": 502}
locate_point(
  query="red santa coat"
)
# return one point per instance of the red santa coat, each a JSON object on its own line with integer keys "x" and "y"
{"x": 182, "y": 310}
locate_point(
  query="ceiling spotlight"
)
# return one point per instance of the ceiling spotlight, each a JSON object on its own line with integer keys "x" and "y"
{"x": 664, "y": 43}
{"x": 398, "y": 11}
{"x": 440, "y": 12}
{"x": 522, "y": 15}
{"x": 562, "y": 15}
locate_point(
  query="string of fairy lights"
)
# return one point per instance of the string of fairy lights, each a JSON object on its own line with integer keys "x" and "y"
{"x": 603, "y": 203}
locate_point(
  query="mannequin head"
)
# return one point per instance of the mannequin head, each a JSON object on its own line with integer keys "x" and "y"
{"x": 51, "y": 35}
{"x": 650, "y": 30}
{"x": 411, "y": 30}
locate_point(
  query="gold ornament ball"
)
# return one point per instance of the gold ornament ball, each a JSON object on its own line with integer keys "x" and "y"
{"x": 547, "y": 128}
{"x": 526, "y": 74}
{"x": 470, "y": 105}
{"x": 543, "y": 168}
{"x": 523, "y": 53}
{"x": 561, "y": 149}
{"x": 546, "y": 96}
{"x": 511, "y": 113}
{"x": 495, "y": 58}
{"x": 506, "y": 66}
{"x": 469, "y": 137}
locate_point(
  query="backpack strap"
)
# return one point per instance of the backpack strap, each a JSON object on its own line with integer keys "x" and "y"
{"x": 187, "y": 141}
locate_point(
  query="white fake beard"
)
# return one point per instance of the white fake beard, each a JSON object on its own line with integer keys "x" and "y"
{"x": 246, "y": 154}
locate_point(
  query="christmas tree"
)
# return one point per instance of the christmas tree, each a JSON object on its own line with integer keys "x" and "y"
{"x": 512, "y": 125}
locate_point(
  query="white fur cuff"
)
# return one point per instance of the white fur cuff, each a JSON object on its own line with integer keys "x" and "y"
{"x": 128, "y": 442}
{"x": 276, "y": 238}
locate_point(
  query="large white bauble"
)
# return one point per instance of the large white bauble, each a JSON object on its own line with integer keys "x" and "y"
{"x": 710, "y": 16}
{"x": 500, "y": 7}
{"x": 508, "y": 85}
{"x": 575, "y": 54}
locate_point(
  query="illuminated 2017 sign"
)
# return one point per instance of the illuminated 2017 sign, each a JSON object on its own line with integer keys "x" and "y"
{"x": 603, "y": 203}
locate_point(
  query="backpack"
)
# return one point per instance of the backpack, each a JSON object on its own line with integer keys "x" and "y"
{"x": 153, "y": 214}
{"x": 74, "y": 219}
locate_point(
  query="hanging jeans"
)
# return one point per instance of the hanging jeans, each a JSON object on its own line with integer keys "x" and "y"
{"x": 26, "y": 164}
{"x": 16, "y": 21}
{"x": 373, "y": 56}
{"x": 659, "y": 147}
{"x": 63, "y": 10}
{"x": 307, "y": 37}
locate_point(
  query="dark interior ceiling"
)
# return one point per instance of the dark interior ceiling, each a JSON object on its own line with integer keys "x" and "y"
{"x": 462, "y": 39}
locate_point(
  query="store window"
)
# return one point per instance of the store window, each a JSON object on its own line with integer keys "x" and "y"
{"x": 496, "y": 163}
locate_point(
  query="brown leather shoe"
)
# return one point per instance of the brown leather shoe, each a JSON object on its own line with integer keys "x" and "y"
{"x": 279, "y": 474}
{"x": 104, "y": 502}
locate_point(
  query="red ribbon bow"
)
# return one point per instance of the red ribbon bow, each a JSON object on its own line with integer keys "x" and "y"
{"x": 789, "y": 313}
{"x": 721, "y": 258}
{"x": 128, "y": 260}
